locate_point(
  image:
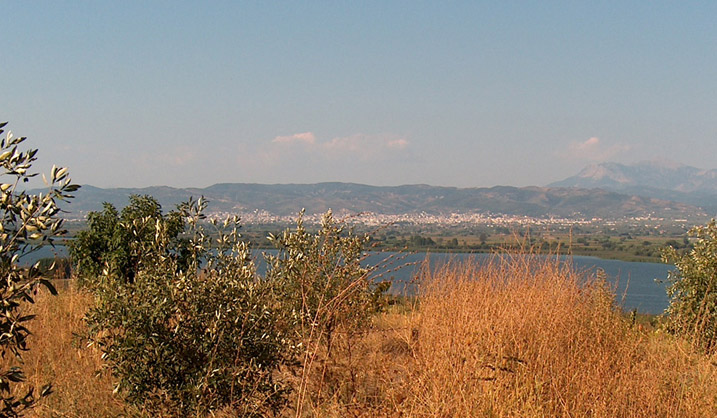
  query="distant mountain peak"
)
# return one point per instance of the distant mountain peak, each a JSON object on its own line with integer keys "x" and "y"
{"x": 604, "y": 172}
{"x": 661, "y": 179}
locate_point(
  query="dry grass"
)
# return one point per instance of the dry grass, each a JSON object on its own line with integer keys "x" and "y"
{"x": 365, "y": 376}
{"x": 521, "y": 336}
{"x": 59, "y": 355}
{"x": 525, "y": 336}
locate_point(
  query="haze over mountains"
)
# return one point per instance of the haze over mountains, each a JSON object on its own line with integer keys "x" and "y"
{"x": 606, "y": 190}
{"x": 287, "y": 200}
{"x": 661, "y": 180}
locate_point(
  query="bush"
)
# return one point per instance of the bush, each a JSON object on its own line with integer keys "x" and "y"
{"x": 322, "y": 290}
{"x": 115, "y": 242}
{"x": 320, "y": 277}
{"x": 28, "y": 222}
{"x": 693, "y": 288}
{"x": 190, "y": 338}
{"x": 189, "y": 327}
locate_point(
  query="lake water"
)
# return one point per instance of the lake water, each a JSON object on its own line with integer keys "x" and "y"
{"x": 643, "y": 293}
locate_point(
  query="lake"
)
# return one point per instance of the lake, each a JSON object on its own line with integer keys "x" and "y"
{"x": 644, "y": 293}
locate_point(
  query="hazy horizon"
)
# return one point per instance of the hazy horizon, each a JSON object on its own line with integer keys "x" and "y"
{"x": 467, "y": 94}
{"x": 665, "y": 162}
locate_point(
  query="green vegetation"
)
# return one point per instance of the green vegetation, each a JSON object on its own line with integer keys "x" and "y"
{"x": 187, "y": 325}
{"x": 314, "y": 271}
{"x": 114, "y": 243}
{"x": 323, "y": 290}
{"x": 28, "y": 222}
{"x": 188, "y": 335}
{"x": 618, "y": 246}
{"x": 693, "y": 288}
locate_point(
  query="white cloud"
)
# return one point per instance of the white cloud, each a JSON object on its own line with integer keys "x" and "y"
{"x": 593, "y": 149}
{"x": 346, "y": 144}
{"x": 397, "y": 143}
{"x": 304, "y": 137}
{"x": 588, "y": 145}
{"x": 362, "y": 146}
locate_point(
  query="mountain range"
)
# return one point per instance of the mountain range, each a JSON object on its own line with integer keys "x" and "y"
{"x": 605, "y": 190}
{"x": 660, "y": 180}
{"x": 289, "y": 199}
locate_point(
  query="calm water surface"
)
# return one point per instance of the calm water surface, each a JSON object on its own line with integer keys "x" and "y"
{"x": 644, "y": 292}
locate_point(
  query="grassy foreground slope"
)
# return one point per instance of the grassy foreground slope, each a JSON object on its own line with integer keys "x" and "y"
{"x": 518, "y": 337}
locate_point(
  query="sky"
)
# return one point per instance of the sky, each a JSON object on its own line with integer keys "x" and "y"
{"x": 450, "y": 93}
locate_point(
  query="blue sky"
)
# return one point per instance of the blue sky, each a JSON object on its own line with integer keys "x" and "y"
{"x": 468, "y": 94}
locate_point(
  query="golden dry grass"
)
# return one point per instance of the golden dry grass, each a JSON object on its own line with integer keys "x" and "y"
{"x": 521, "y": 336}
{"x": 526, "y": 336}
{"x": 59, "y": 355}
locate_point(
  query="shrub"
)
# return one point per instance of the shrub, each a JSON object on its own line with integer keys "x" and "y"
{"x": 322, "y": 289}
{"x": 693, "y": 288}
{"x": 28, "y": 222}
{"x": 321, "y": 277}
{"x": 195, "y": 337}
{"x": 118, "y": 241}
{"x": 189, "y": 327}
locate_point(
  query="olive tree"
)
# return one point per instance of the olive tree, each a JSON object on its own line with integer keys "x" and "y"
{"x": 321, "y": 277}
{"x": 192, "y": 327}
{"x": 693, "y": 288}
{"x": 115, "y": 242}
{"x": 28, "y": 222}
{"x": 324, "y": 290}
{"x": 190, "y": 335}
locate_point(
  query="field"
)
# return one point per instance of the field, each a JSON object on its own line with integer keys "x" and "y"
{"x": 627, "y": 241}
{"x": 520, "y": 337}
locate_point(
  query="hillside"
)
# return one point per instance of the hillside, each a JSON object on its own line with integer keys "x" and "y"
{"x": 288, "y": 199}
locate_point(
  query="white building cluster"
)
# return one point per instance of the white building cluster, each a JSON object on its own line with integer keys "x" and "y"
{"x": 419, "y": 218}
